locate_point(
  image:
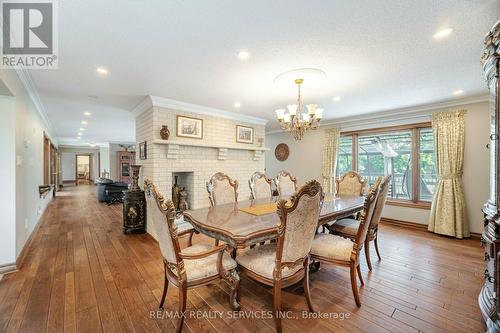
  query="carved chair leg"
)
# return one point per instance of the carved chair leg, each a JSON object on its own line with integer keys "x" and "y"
{"x": 376, "y": 247}
{"x": 182, "y": 306}
{"x": 354, "y": 284}
{"x": 305, "y": 281}
{"x": 235, "y": 287}
{"x": 358, "y": 269}
{"x": 277, "y": 305}
{"x": 367, "y": 255}
{"x": 165, "y": 288}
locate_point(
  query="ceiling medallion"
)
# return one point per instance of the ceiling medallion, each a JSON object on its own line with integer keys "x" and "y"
{"x": 295, "y": 121}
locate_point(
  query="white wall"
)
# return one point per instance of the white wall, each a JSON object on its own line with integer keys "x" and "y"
{"x": 29, "y": 135}
{"x": 7, "y": 174}
{"x": 104, "y": 156}
{"x": 306, "y": 158}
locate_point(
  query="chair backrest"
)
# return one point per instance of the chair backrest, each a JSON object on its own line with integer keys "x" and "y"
{"x": 365, "y": 217}
{"x": 260, "y": 186}
{"x": 380, "y": 203}
{"x": 298, "y": 223}
{"x": 350, "y": 183}
{"x": 286, "y": 184}
{"x": 161, "y": 212}
{"x": 222, "y": 189}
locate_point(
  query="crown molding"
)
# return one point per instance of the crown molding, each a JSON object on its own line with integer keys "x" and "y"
{"x": 25, "y": 77}
{"x": 417, "y": 113}
{"x": 155, "y": 101}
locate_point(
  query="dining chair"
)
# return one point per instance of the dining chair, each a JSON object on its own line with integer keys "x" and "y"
{"x": 343, "y": 251}
{"x": 286, "y": 184}
{"x": 348, "y": 227}
{"x": 260, "y": 186}
{"x": 222, "y": 189}
{"x": 194, "y": 266}
{"x": 350, "y": 183}
{"x": 286, "y": 262}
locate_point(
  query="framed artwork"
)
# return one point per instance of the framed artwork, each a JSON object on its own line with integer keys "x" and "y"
{"x": 244, "y": 134}
{"x": 189, "y": 127}
{"x": 143, "y": 150}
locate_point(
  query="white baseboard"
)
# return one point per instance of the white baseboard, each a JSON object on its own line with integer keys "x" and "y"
{"x": 4, "y": 269}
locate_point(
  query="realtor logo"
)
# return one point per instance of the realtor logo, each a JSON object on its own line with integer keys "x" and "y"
{"x": 29, "y": 34}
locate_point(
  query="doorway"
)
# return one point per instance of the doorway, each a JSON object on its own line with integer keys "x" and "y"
{"x": 83, "y": 169}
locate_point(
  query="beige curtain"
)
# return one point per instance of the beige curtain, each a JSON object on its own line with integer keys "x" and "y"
{"x": 330, "y": 151}
{"x": 448, "y": 214}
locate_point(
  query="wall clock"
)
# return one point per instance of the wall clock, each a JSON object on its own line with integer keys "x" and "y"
{"x": 281, "y": 152}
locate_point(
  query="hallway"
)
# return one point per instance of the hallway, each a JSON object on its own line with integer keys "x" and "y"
{"x": 83, "y": 274}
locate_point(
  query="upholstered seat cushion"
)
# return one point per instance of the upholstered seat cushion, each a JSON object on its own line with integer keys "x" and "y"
{"x": 261, "y": 260}
{"x": 182, "y": 225}
{"x": 345, "y": 226}
{"x": 332, "y": 247}
{"x": 204, "y": 267}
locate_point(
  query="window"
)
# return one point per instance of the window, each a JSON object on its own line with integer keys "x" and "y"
{"x": 344, "y": 159}
{"x": 406, "y": 152}
{"x": 427, "y": 164}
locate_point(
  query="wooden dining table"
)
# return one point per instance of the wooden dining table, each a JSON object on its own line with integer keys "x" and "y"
{"x": 241, "y": 229}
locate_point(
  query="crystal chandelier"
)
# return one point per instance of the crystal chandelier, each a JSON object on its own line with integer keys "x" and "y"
{"x": 296, "y": 121}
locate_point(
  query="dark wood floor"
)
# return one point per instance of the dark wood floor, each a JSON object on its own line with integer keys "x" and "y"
{"x": 82, "y": 274}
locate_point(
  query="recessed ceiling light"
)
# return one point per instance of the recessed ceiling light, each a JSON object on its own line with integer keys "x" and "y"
{"x": 443, "y": 33}
{"x": 78, "y": 137}
{"x": 92, "y": 144}
{"x": 243, "y": 55}
{"x": 336, "y": 99}
{"x": 84, "y": 122}
{"x": 102, "y": 70}
{"x": 79, "y": 134}
{"x": 237, "y": 105}
{"x": 81, "y": 129}
{"x": 458, "y": 92}
{"x": 87, "y": 114}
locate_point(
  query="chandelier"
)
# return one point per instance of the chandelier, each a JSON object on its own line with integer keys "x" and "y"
{"x": 297, "y": 122}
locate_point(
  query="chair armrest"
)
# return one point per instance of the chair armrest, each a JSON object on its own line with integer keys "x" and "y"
{"x": 220, "y": 249}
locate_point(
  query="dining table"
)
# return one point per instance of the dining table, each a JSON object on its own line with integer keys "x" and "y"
{"x": 245, "y": 223}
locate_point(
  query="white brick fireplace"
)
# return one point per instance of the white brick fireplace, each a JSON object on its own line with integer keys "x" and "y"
{"x": 195, "y": 160}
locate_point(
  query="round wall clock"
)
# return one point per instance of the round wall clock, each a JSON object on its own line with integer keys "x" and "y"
{"x": 281, "y": 152}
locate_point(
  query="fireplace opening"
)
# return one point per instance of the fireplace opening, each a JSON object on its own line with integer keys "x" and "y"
{"x": 183, "y": 190}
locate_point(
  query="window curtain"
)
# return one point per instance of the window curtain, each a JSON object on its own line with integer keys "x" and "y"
{"x": 448, "y": 213}
{"x": 330, "y": 152}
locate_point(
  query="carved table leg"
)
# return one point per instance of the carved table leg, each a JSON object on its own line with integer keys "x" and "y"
{"x": 314, "y": 266}
{"x": 233, "y": 279}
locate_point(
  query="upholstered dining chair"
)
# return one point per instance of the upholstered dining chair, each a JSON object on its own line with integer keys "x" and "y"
{"x": 260, "y": 186}
{"x": 350, "y": 183}
{"x": 193, "y": 266}
{"x": 286, "y": 262}
{"x": 343, "y": 251}
{"x": 286, "y": 184}
{"x": 222, "y": 189}
{"x": 348, "y": 227}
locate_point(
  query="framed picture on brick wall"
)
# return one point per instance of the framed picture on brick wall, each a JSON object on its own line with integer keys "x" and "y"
{"x": 189, "y": 127}
{"x": 244, "y": 134}
{"x": 143, "y": 150}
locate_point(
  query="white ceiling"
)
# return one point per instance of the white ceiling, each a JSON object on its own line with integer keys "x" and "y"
{"x": 377, "y": 55}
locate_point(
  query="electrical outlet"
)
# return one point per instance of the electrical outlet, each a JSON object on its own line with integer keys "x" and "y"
{"x": 26, "y": 223}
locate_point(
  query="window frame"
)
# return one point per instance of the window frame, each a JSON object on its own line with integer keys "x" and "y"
{"x": 415, "y": 157}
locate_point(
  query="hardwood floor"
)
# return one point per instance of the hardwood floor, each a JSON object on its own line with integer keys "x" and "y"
{"x": 82, "y": 274}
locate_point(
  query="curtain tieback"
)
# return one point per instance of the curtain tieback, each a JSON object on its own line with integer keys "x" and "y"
{"x": 454, "y": 175}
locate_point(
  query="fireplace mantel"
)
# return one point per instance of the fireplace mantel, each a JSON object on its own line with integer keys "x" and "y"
{"x": 173, "y": 148}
